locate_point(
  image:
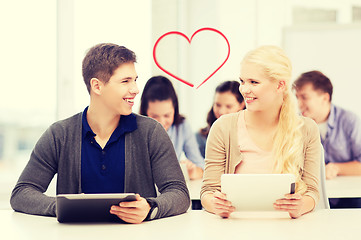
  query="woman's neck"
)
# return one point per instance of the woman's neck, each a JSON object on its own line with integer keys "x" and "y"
{"x": 262, "y": 120}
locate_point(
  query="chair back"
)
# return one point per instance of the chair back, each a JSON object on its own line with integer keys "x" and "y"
{"x": 323, "y": 202}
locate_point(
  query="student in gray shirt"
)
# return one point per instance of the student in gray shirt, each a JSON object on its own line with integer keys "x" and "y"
{"x": 141, "y": 156}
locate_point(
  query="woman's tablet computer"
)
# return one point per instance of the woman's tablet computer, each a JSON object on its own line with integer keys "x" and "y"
{"x": 89, "y": 207}
{"x": 256, "y": 192}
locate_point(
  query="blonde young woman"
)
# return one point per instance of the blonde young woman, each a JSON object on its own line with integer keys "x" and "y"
{"x": 268, "y": 137}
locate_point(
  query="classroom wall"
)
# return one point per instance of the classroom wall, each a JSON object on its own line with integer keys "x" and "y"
{"x": 127, "y": 23}
{"x": 246, "y": 24}
{"x": 333, "y": 50}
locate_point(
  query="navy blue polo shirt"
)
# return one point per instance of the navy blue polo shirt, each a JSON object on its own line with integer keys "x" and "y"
{"x": 103, "y": 170}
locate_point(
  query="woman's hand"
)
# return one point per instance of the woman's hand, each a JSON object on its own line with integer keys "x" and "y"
{"x": 132, "y": 212}
{"x": 194, "y": 172}
{"x": 221, "y": 205}
{"x": 331, "y": 170}
{"x": 295, "y": 204}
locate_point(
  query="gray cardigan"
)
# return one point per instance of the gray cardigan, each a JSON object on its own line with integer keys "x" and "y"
{"x": 150, "y": 160}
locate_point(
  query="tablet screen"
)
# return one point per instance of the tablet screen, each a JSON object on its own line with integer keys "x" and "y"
{"x": 256, "y": 192}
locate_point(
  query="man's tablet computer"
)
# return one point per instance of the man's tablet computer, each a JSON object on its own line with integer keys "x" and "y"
{"x": 89, "y": 207}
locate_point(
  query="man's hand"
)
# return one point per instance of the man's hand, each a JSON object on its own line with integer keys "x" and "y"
{"x": 132, "y": 212}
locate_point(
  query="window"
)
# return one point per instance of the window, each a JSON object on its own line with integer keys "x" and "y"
{"x": 28, "y": 81}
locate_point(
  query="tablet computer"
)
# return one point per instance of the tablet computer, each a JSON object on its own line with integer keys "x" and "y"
{"x": 89, "y": 207}
{"x": 256, "y": 192}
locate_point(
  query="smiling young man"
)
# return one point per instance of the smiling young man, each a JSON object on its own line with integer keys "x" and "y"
{"x": 106, "y": 149}
{"x": 340, "y": 129}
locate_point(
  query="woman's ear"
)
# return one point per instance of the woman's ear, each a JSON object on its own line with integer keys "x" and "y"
{"x": 281, "y": 85}
{"x": 96, "y": 85}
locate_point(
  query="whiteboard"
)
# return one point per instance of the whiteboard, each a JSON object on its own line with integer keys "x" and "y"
{"x": 335, "y": 50}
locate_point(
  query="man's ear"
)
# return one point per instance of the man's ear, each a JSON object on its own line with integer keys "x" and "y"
{"x": 326, "y": 97}
{"x": 96, "y": 85}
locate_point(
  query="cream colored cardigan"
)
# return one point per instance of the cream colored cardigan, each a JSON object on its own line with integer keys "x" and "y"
{"x": 223, "y": 155}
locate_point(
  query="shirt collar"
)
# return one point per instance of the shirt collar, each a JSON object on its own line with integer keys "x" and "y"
{"x": 127, "y": 123}
{"x": 86, "y": 131}
{"x": 332, "y": 117}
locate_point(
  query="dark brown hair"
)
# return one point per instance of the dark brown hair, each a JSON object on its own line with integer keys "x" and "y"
{"x": 227, "y": 86}
{"x": 318, "y": 80}
{"x": 160, "y": 88}
{"x": 103, "y": 59}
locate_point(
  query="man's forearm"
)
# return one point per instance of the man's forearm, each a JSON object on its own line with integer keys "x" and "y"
{"x": 349, "y": 168}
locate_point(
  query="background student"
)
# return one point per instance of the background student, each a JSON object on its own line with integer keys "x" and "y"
{"x": 340, "y": 129}
{"x": 159, "y": 101}
{"x": 268, "y": 137}
{"x": 97, "y": 151}
{"x": 227, "y": 99}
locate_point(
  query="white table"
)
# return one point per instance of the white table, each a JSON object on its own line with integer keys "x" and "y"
{"x": 344, "y": 187}
{"x": 339, "y": 187}
{"x": 324, "y": 224}
{"x": 194, "y": 187}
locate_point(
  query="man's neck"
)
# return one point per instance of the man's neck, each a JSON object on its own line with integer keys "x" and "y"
{"x": 324, "y": 114}
{"x": 101, "y": 121}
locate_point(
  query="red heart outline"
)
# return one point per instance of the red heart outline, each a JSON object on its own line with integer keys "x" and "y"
{"x": 189, "y": 40}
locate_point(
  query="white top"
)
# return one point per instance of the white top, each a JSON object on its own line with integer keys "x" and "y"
{"x": 323, "y": 129}
{"x": 255, "y": 160}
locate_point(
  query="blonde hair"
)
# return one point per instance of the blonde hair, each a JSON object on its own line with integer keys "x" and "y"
{"x": 288, "y": 145}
